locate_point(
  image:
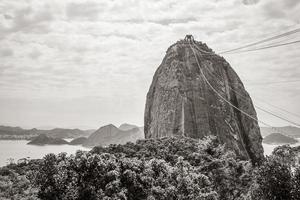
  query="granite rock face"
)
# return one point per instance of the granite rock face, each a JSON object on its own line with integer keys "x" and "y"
{"x": 180, "y": 101}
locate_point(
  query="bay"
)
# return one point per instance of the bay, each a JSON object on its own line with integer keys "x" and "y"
{"x": 268, "y": 148}
{"x": 17, "y": 149}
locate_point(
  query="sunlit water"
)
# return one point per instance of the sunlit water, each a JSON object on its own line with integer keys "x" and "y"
{"x": 17, "y": 149}
{"x": 268, "y": 148}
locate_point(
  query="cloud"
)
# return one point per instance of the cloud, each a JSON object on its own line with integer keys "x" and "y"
{"x": 174, "y": 21}
{"x": 274, "y": 11}
{"x": 35, "y": 54}
{"x": 281, "y": 9}
{"x": 67, "y": 49}
{"x": 28, "y": 18}
{"x": 291, "y": 3}
{"x": 86, "y": 10}
{"x": 250, "y": 2}
{"x": 7, "y": 16}
{"x": 6, "y": 52}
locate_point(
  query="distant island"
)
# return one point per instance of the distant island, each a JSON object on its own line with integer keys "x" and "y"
{"x": 279, "y": 139}
{"x": 43, "y": 139}
{"x": 289, "y": 131}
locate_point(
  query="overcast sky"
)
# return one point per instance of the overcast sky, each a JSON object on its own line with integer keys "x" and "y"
{"x": 84, "y": 63}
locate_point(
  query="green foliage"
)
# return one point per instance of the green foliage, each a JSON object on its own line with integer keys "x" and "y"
{"x": 167, "y": 168}
{"x": 15, "y": 186}
{"x": 278, "y": 177}
{"x": 94, "y": 176}
{"x": 296, "y": 184}
{"x": 285, "y": 154}
{"x": 274, "y": 179}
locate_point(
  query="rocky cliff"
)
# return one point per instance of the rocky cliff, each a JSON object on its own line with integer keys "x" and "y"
{"x": 182, "y": 100}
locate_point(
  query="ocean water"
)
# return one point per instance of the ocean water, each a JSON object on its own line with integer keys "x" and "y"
{"x": 17, "y": 149}
{"x": 268, "y": 148}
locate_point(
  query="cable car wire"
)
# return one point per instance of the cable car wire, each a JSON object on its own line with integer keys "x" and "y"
{"x": 263, "y": 41}
{"x": 224, "y": 99}
{"x": 262, "y": 48}
{"x": 245, "y": 99}
{"x": 267, "y": 102}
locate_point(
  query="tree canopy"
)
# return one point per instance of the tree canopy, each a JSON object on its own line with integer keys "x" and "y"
{"x": 167, "y": 168}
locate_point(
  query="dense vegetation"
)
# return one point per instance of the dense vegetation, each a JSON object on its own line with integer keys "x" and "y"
{"x": 167, "y": 168}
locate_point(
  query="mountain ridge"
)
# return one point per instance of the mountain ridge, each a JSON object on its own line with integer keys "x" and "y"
{"x": 8, "y": 132}
{"x": 110, "y": 134}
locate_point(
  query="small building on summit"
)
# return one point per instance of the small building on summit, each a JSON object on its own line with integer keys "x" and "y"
{"x": 189, "y": 38}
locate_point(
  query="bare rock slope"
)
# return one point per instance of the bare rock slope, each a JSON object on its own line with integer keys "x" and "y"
{"x": 181, "y": 101}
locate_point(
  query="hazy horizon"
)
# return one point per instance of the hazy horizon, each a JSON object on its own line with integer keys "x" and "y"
{"x": 49, "y": 127}
{"x": 89, "y": 63}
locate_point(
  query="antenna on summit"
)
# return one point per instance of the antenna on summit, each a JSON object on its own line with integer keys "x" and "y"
{"x": 189, "y": 38}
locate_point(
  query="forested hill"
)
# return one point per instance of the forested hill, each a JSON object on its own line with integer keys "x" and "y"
{"x": 290, "y": 131}
{"x": 8, "y": 132}
{"x": 279, "y": 139}
{"x": 165, "y": 169}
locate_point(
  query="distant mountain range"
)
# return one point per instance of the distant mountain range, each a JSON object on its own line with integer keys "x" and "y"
{"x": 43, "y": 139}
{"x": 104, "y": 136}
{"x": 290, "y": 131}
{"x": 279, "y": 139}
{"x": 110, "y": 134}
{"x": 7, "y": 132}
